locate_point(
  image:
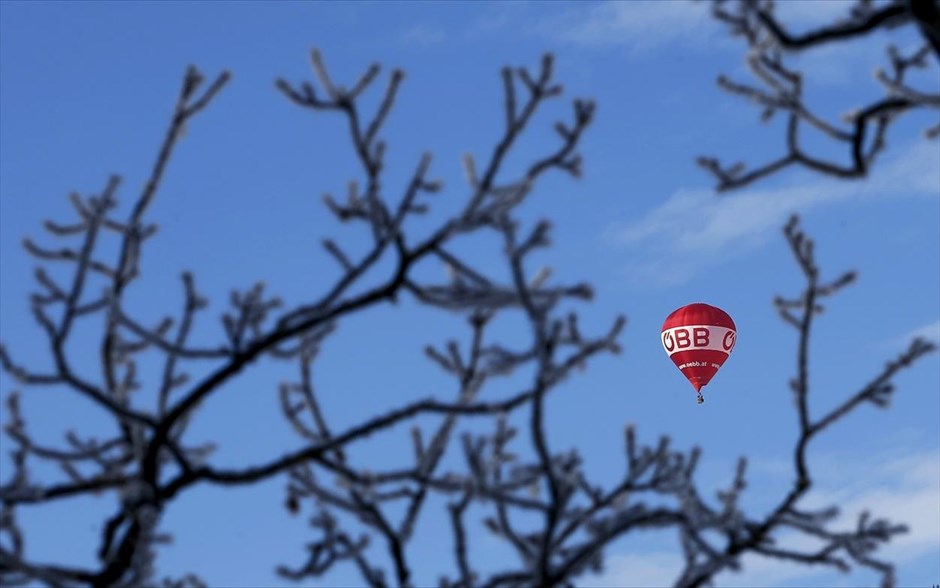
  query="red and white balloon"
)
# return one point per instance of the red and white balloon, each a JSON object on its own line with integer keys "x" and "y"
{"x": 699, "y": 339}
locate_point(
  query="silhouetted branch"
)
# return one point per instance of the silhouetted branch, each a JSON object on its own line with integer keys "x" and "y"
{"x": 756, "y": 535}
{"x": 538, "y": 498}
{"x": 862, "y": 20}
{"x": 863, "y": 130}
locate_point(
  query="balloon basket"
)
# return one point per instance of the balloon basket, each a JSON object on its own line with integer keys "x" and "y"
{"x": 699, "y": 399}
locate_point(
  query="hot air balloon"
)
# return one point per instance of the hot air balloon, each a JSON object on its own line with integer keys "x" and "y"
{"x": 699, "y": 338}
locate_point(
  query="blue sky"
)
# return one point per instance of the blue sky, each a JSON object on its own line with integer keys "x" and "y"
{"x": 86, "y": 91}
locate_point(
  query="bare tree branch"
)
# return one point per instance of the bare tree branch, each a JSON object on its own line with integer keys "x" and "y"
{"x": 862, "y": 132}
{"x": 537, "y": 498}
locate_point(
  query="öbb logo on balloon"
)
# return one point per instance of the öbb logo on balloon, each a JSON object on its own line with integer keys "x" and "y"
{"x": 699, "y": 338}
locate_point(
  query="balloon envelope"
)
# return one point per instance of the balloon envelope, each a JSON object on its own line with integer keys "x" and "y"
{"x": 699, "y": 338}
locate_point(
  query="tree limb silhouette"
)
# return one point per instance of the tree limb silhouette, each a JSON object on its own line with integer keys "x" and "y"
{"x": 780, "y": 89}
{"x": 536, "y": 497}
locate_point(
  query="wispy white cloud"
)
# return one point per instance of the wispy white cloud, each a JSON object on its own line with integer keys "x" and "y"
{"x": 641, "y": 25}
{"x": 903, "y": 489}
{"x": 490, "y": 21}
{"x": 847, "y": 64}
{"x": 695, "y": 229}
{"x": 424, "y": 34}
{"x": 636, "y": 25}
{"x": 930, "y": 331}
{"x": 497, "y": 16}
{"x": 900, "y": 488}
{"x": 851, "y": 63}
{"x": 806, "y": 14}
